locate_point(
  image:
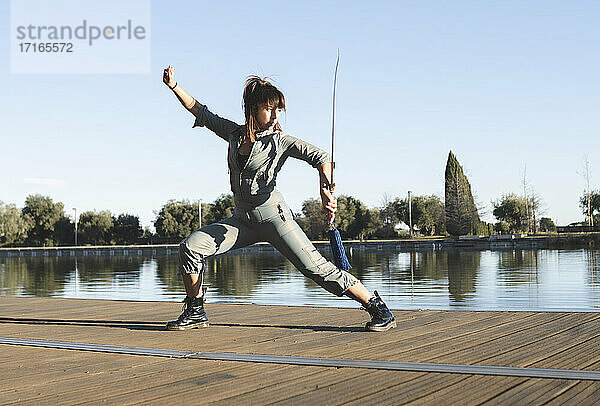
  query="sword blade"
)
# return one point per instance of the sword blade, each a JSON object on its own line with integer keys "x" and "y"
{"x": 337, "y": 63}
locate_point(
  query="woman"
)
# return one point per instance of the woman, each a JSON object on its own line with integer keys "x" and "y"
{"x": 257, "y": 151}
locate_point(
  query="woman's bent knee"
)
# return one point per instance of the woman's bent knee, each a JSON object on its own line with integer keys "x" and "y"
{"x": 190, "y": 262}
{"x": 330, "y": 278}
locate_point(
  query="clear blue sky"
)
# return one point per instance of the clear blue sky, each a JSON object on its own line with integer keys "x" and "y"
{"x": 501, "y": 84}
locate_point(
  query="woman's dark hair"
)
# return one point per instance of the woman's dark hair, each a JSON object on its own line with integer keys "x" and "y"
{"x": 258, "y": 92}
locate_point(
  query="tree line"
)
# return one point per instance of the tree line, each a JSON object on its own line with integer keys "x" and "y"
{"x": 43, "y": 222}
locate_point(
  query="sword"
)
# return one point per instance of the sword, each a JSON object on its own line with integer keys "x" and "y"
{"x": 335, "y": 240}
{"x": 337, "y": 63}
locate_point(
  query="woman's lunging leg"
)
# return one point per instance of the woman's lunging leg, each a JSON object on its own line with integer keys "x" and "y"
{"x": 210, "y": 240}
{"x": 287, "y": 236}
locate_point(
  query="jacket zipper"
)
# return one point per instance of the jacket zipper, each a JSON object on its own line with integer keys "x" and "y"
{"x": 245, "y": 165}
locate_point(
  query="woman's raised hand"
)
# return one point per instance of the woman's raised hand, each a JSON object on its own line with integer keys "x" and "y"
{"x": 169, "y": 77}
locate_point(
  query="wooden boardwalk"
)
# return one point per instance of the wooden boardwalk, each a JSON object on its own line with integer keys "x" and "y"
{"x": 31, "y": 375}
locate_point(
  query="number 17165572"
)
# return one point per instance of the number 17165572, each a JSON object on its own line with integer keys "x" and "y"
{"x": 46, "y": 46}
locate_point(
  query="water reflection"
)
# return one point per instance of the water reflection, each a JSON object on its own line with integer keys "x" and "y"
{"x": 519, "y": 266}
{"x": 463, "y": 268}
{"x": 35, "y": 276}
{"x": 432, "y": 279}
{"x": 168, "y": 273}
{"x": 593, "y": 264}
{"x": 49, "y": 276}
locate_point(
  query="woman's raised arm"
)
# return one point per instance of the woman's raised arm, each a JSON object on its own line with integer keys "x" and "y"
{"x": 184, "y": 97}
{"x": 204, "y": 118}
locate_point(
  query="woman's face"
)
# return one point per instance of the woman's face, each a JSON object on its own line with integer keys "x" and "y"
{"x": 267, "y": 116}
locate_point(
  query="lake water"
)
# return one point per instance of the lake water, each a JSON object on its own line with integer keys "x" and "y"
{"x": 491, "y": 280}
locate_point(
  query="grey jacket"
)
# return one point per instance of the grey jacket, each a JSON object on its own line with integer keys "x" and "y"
{"x": 254, "y": 184}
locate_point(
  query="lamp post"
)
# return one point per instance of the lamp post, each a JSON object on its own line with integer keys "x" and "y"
{"x": 75, "y": 210}
{"x": 410, "y": 214}
{"x": 199, "y": 214}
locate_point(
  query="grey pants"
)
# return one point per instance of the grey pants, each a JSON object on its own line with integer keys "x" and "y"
{"x": 273, "y": 223}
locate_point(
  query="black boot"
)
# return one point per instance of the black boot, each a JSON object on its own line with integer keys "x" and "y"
{"x": 193, "y": 315}
{"x": 382, "y": 318}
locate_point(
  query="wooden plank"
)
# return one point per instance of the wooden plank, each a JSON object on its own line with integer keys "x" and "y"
{"x": 380, "y": 387}
{"x": 577, "y": 353}
{"x": 540, "y": 349}
{"x": 469, "y": 390}
{"x": 187, "y": 382}
{"x": 477, "y": 347}
{"x": 584, "y": 393}
{"x": 272, "y": 392}
{"x": 496, "y": 386}
{"x": 254, "y": 378}
{"x": 531, "y": 392}
{"x": 295, "y": 336}
{"x": 370, "y": 345}
{"x": 79, "y": 375}
{"x": 41, "y": 366}
{"x": 82, "y": 385}
{"x": 490, "y": 351}
{"x": 442, "y": 345}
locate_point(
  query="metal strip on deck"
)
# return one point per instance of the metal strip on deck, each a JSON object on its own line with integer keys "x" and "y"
{"x": 314, "y": 361}
{"x": 118, "y": 349}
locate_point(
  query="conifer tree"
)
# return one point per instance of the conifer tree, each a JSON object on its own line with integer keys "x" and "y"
{"x": 461, "y": 213}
